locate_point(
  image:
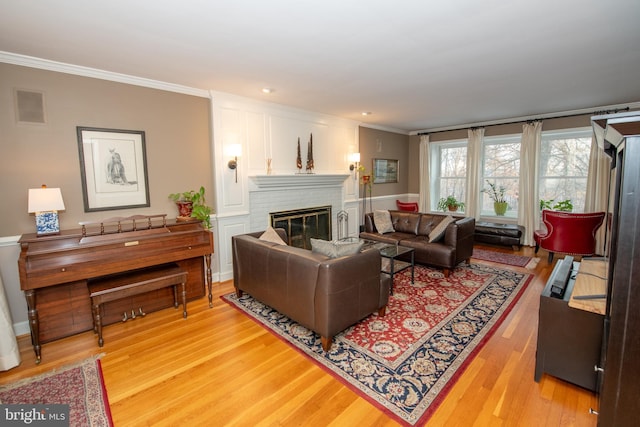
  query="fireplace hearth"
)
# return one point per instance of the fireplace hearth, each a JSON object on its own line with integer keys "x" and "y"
{"x": 304, "y": 224}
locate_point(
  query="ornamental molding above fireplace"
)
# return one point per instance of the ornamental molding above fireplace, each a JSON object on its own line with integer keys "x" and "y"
{"x": 270, "y": 182}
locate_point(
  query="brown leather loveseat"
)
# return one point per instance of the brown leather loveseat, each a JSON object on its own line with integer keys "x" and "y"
{"x": 325, "y": 295}
{"x": 412, "y": 229}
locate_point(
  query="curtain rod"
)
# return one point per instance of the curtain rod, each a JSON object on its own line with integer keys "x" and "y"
{"x": 593, "y": 113}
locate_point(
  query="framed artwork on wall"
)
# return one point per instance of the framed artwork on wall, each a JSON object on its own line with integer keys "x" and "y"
{"x": 385, "y": 171}
{"x": 113, "y": 166}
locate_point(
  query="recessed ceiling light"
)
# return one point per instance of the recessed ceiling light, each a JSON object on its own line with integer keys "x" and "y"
{"x": 366, "y": 113}
{"x": 267, "y": 90}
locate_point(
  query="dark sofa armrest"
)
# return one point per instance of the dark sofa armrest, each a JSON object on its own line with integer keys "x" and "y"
{"x": 369, "y": 226}
{"x": 459, "y": 230}
{"x": 349, "y": 289}
{"x": 466, "y": 226}
{"x": 460, "y": 235}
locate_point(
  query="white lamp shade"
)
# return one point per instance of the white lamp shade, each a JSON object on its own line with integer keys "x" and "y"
{"x": 45, "y": 199}
{"x": 234, "y": 150}
{"x": 354, "y": 157}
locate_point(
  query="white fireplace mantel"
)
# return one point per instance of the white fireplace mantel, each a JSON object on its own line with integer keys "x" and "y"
{"x": 273, "y": 182}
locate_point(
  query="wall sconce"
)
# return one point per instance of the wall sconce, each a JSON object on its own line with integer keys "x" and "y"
{"x": 45, "y": 203}
{"x": 234, "y": 150}
{"x": 354, "y": 158}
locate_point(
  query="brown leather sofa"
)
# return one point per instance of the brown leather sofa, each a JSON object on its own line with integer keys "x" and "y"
{"x": 325, "y": 295}
{"x": 411, "y": 229}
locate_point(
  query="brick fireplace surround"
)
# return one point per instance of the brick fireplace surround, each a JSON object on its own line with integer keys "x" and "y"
{"x": 272, "y": 193}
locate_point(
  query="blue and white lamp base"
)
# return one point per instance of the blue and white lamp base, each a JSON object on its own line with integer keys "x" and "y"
{"x": 47, "y": 223}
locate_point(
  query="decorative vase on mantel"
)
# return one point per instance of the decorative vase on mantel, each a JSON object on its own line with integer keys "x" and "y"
{"x": 299, "y": 158}
{"x": 500, "y": 208}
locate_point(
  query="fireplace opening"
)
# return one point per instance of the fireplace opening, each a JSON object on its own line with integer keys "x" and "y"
{"x": 304, "y": 224}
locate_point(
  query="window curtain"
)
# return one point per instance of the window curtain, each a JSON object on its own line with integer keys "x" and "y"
{"x": 597, "y": 196}
{"x": 424, "y": 202}
{"x": 474, "y": 148}
{"x": 528, "y": 186}
{"x": 9, "y": 351}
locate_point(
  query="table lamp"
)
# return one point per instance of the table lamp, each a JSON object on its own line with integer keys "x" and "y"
{"x": 45, "y": 203}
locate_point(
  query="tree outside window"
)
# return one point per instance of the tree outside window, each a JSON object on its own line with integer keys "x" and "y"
{"x": 562, "y": 169}
{"x": 449, "y": 168}
{"x": 564, "y": 166}
{"x": 501, "y": 166}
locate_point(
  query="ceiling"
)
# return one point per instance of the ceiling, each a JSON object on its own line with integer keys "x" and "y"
{"x": 415, "y": 65}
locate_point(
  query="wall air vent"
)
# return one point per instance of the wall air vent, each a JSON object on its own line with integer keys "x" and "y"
{"x": 29, "y": 106}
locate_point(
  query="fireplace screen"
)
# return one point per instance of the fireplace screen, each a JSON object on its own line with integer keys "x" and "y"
{"x": 304, "y": 224}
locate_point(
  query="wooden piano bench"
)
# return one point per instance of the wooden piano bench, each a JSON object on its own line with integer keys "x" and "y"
{"x": 111, "y": 288}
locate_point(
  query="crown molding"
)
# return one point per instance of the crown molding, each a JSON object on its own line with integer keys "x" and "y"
{"x": 557, "y": 114}
{"x": 384, "y": 128}
{"x": 61, "y": 67}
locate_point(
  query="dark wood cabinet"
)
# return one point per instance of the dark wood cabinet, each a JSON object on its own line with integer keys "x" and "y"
{"x": 569, "y": 337}
{"x": 619, "y": 398}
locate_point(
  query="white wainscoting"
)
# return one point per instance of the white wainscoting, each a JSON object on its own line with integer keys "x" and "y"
{"x": 271, "y": 131}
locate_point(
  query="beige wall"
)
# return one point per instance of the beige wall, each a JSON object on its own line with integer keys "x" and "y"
{"x": 379, "y": 144}
{"x": 177, "y": 131}
{"x": 516, "y": 128}
{"x": 414, "y": 156}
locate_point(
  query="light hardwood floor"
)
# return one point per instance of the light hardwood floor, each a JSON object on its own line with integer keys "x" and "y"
{"x": 218, "y": 368}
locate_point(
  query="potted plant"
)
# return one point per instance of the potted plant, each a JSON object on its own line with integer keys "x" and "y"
{"x": 192, "y": 204}
{"x": 364, "y": 178}
{"x": 563, "y": 205}
{"x": 450, "y": 203}
{"x": 497, "y": 195}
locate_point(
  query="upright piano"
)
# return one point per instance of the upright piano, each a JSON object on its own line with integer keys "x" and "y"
{"x": 55, "y": 270}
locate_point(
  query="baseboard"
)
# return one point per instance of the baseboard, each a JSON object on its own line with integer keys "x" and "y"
{"x": 224, "y": 276}
{"x": 21, "y": 328}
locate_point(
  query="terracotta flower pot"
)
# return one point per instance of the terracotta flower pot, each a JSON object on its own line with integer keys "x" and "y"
{"x": 184, "y": 209}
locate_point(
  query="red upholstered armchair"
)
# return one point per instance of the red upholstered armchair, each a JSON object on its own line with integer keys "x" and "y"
{"x": 569, "y": 233}
{"x": 407, "y": 206}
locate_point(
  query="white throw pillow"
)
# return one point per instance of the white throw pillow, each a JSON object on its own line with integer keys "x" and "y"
{"x": 335, "y": 249}
{"x": 438, "y": 231}
{"x": 382, "y": 221}
{"x": 271, "y": 235}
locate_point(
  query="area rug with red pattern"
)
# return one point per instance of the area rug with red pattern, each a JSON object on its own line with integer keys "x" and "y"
{"x": 406, "y": 361}
{"x": 505, "y": 258}
{"x": 81, "y": 386}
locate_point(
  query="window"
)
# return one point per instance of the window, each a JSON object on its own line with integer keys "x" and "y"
{"x": 562, "y": 169}
{"x": 449, "y": 170}
{"x": 564, "y": 165}
{"x": 501, "y": 166}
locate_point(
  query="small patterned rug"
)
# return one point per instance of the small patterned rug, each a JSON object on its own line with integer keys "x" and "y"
{"x": 405, "y": 362}
{"x": 80, "y": 386}
{"x": 504, "y": 258}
